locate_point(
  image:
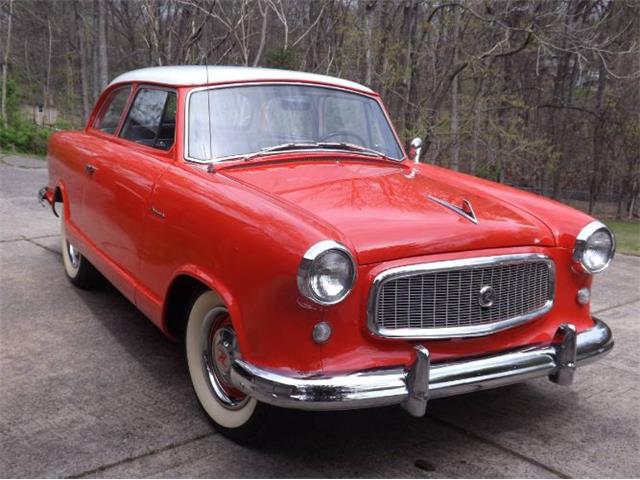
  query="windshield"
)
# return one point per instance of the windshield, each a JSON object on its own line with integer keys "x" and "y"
{"x": 244, "y": 120}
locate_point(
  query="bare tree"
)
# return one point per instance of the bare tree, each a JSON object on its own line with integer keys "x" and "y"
{"x": 103, "y": 59}
{"x": 525, "y": 92}
{"x": 5, "y": 64}
{"x": 84, "y": 73}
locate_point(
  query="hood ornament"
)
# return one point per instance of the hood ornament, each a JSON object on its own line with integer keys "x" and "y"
{"x": 466, "y": 210}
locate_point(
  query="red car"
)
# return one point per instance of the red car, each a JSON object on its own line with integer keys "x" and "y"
{"x": 273, "y": 221}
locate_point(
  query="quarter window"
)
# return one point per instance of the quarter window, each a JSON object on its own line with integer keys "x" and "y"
{"x": 109, "y": 117}
{"x": 152, "y": 119}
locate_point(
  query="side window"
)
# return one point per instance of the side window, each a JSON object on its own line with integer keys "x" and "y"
{"x": 109, "y": 116}
{"x": 152, "y": 119}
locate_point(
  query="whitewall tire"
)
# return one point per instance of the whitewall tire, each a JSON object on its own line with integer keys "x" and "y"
{"x": 78, "y": 269}
{"x": 210, "y": 347}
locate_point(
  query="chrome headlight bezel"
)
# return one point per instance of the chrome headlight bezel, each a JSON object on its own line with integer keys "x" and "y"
{"x": 312, "y": 255}
{"x": 582, "y": 243}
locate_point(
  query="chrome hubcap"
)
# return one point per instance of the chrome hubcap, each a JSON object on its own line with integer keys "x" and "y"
{"x": 218, "y": 353}
{"x": 74, "y": 255}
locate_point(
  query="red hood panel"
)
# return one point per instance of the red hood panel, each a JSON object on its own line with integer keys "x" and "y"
{"x": 383, "y": 211}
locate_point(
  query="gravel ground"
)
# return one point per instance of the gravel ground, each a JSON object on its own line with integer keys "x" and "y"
{"x": 91, "y": 388}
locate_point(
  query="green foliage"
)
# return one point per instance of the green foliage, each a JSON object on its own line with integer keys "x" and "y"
{"x": 627, "y": 236}
{"x": 488, "y": 171}
{"x": 281, "y": 58}
{"x": 20, "y": 135}
{"x": 13, "y": 99}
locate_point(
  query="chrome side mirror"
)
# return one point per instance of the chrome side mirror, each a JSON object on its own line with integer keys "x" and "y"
{"x": 416, "y": 149}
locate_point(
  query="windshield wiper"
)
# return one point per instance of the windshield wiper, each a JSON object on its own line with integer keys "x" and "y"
{"x": 333, "y": 145}
{"x": 280, "y": 148}
{"x": 352, "y": 147}
{"x": 289, "y": 146}
{"x": 309, "y": 145}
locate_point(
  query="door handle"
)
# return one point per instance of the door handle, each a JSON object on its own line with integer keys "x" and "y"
{"x": 158, "y": 213}
{"x": 90, "y": 169}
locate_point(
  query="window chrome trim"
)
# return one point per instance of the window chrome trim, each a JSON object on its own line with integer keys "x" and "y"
{"x": 581, "y": 242}
{"x": 371, "y": 96}
{"x": 305, "y": 266}
{"x": 452, "y": 265}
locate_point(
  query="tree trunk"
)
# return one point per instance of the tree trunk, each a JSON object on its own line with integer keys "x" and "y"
{"x": 263, "y": 32}
{"x": 598, "y": 126}
{"x": 455, "y": 133}
{"x": 369, "y": 13}
{"x": 47, "y": 83}
{"x": 95, "y": 70}
{"x": 5, "y": 65}
{"x": 409, "y": 25}
{"x": 477, "y": 126}
{"x": 103, "y": 60}
{"x": 84, "y": 73}
{"x": 635, "y": 192}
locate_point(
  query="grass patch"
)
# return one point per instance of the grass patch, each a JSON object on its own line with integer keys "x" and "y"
{"x": 6, "y": 153}
{"x": 627, "y": 236}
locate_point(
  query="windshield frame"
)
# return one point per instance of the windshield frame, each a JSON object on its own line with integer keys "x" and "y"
{"x": 259, "y": 153}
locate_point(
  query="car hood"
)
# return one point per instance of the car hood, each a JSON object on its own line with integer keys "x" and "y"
{"x": 384, "y": 212}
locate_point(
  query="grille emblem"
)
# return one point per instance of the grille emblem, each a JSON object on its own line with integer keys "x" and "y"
{"x": 487, "y": 296}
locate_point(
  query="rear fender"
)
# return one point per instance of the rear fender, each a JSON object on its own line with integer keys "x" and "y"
{"x": 60, "y": 187}
{"x": 45, "y": 194}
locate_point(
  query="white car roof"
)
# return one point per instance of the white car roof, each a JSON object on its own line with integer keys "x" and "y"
{"x": 189, "y": 75}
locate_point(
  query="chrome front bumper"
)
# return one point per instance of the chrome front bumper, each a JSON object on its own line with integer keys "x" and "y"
{"x": 413, "y": 387}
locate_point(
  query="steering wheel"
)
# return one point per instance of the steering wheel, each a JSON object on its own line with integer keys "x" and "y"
{"x": 343, "y": 133}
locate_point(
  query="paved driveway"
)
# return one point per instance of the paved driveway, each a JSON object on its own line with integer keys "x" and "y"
{"x": 91, "y": 388}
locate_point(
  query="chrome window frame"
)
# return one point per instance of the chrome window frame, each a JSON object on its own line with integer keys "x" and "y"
{"x": 306, "y": 84}
{"x": 452, "y": 265}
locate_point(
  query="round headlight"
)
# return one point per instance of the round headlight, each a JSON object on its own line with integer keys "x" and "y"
{"x": 327, "y": 272}
{"x": 595, "y": 247}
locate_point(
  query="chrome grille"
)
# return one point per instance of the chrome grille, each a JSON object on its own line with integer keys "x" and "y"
{"x": 442, "y": 299}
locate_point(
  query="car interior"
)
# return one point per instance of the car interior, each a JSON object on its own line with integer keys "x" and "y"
{"x": 152, "y": 119}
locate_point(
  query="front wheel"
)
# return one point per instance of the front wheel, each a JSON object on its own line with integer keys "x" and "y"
{"x": 210, "y": 346}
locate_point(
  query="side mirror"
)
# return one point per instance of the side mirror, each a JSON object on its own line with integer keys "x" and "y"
{"x": 416, "y": 149}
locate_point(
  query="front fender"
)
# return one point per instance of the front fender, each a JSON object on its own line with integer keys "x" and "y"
{"x": 216, "y": 284}
{"x": 246, "y": 248}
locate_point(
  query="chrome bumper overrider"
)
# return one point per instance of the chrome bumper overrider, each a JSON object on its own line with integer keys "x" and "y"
{"x": 414, "y": 386}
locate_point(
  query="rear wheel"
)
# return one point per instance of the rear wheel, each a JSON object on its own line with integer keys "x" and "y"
{"x": 78, "y": 269}
{"x": 210, "y": 346}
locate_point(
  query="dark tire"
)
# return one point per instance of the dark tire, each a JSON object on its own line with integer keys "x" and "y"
{"x": 77, "y": 268}
{"x": 209, "y": 347}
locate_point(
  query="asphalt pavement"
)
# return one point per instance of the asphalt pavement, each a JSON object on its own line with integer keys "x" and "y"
{"x": 90, "y": 388}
